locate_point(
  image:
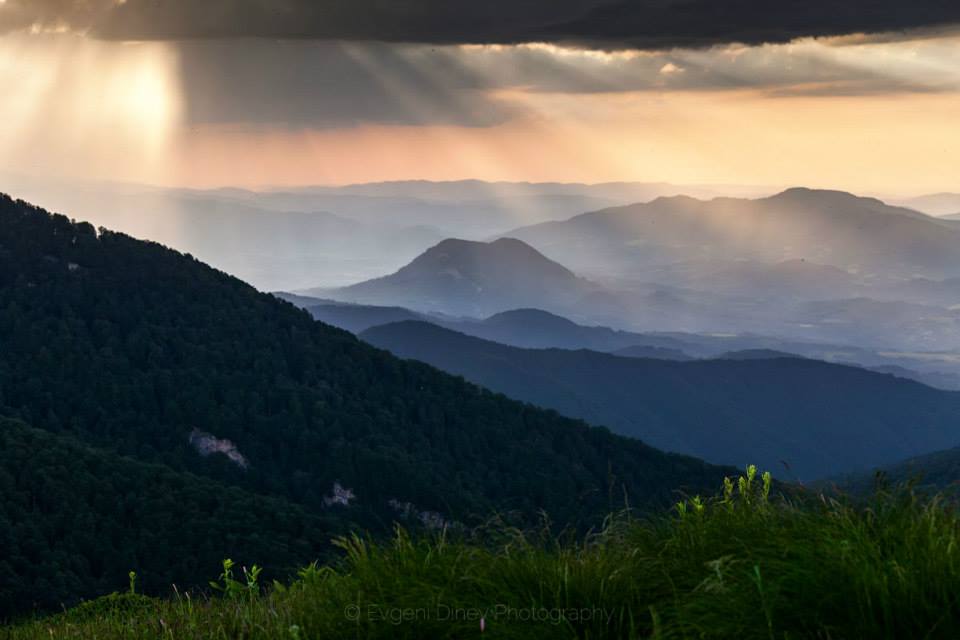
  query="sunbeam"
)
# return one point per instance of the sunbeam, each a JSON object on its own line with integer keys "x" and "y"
{"x": 84, "y": 108}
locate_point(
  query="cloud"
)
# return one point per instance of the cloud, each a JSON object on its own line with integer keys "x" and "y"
{"x": 602, "y": 24}
{"x": 805, "y": 67}
{"x": 323, "y": 85}
{"x": 332, "y": 84}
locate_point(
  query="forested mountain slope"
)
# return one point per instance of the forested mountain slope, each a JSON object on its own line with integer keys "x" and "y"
{"x": 131, "y": 347}
{"x": 74, "y": 521}
{"x": 818, "y": 418}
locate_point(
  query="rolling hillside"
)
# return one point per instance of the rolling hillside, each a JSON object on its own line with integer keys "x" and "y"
{"x": 816, "y": 417}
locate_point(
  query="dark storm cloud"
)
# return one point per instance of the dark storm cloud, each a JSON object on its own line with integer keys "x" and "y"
{"x": 608, "y": 24}
{"x": 306, "y": 84}
{"x": 332, "y": 84}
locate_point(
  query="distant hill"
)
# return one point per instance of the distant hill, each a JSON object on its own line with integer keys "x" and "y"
{"x": 756, "y": 354}
{"x": 819, "y": 418}
{"x": 301, "y": 301}
{"x": 938, "y": 471}
{"x": 472, "y": 190}
{"x": 824, "y": 227}
{"x": 357, "y": 318}
{"x": 933, "y": 378}
{"x": 142, "y": 352}
{"x": 803, "y": 264}
{"x": 294, "y": 238}
{"x": 935, "y": 204}
{"x": 249, "y": 235}
{"x": 349, "y": 316}
{"x": 461, "y": 277}
{"x": 535, "y": 328}
{"x": 657, "y": 353}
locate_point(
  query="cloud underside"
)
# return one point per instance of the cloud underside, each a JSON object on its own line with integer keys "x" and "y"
{"x": 604, "y": 24}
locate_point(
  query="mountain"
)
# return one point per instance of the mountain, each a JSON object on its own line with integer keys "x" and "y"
{"x": 300, "y": 301}
{"x": 934, "y": 204}
{"x": 756, "y": 354}
{"x": 250, "y": 237}
{"x": 473, "y": 213}
{"x": 819, "y": 418}
{"x": 936, "y": 379}
{"x": 479, "y": 190}
{"x": 657, "y": 353}
{"x": 803, "y": 265}
{"x": 537, "y": 329}
{"x": 139, "y": 351}
{"x": 291, "y": 238}
{"x": 461, "y": 277}
{"x": 938, "y": 471}
{"x": 351, "y": 317}
{"x": 825, "y": 227}
{"x": 356, "y": 318}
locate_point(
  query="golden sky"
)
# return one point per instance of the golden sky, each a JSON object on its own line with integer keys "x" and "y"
{"x": 867, "y": 115}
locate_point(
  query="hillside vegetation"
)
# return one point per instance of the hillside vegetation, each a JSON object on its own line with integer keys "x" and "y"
{"x": 743, "y": 565}
{"x": 133, "y": 349}
{"x": 74, "y": 521}
{"x": 819, "y": 418}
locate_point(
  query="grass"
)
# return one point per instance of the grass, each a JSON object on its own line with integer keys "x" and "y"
{"x": 741, "y": 565}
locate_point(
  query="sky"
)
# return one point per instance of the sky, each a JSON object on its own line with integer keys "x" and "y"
{"x": 258, "y": 93}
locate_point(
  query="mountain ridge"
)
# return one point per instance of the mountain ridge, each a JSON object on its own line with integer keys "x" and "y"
{"x": 831, "y": 227}
{"x": 818, "y": 417}
{"x": 463, "y": 277}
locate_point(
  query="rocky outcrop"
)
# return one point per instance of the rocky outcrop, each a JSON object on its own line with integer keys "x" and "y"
{"x": 206, "y": 444}
{"x": 340, "y": 496}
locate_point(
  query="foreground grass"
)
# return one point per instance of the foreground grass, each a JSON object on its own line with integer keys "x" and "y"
{"x": 741, "y": 565}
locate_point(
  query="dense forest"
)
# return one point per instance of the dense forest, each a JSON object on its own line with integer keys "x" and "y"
{"x": 74, "y": 521}
{"x": 130, "y": 348}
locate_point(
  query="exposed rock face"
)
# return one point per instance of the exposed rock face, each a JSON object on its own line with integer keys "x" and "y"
{"x": 207, "y": 444}
{"x": 340, "y": 496}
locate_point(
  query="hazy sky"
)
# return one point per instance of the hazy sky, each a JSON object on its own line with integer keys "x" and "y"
{"x": 230, "y": 93}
